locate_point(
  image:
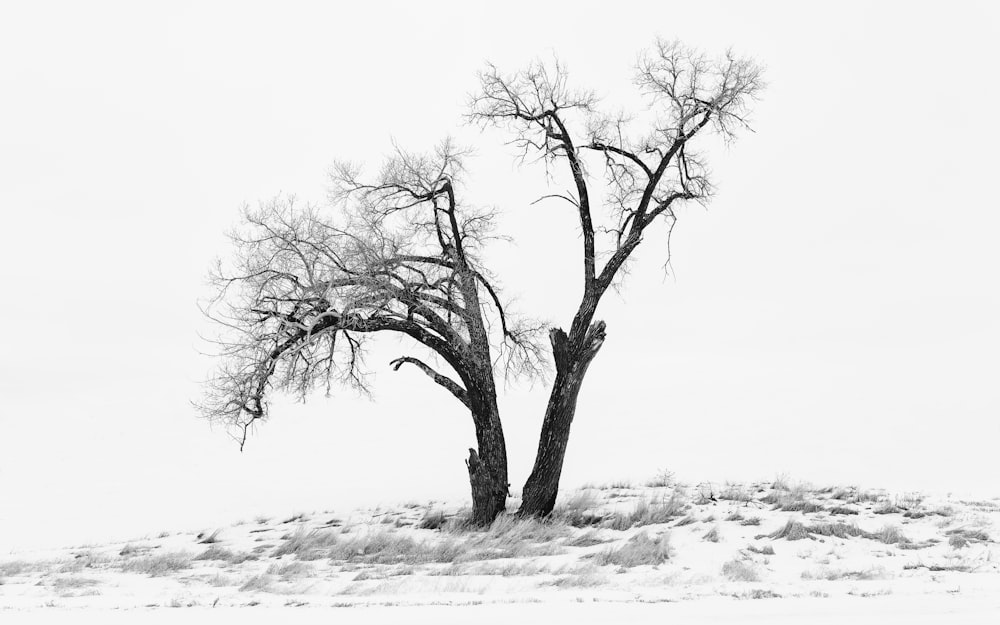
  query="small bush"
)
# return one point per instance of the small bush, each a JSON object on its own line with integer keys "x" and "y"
{"x": 740, "y": 571}
{"x": 713, "y": 535}
{"x": 734, "y": 516}
{"x": 751, "y": 521}
{"x": 766, "y": 550}
{"x": 640, "y": 550}
{"x": 663, "y": 479}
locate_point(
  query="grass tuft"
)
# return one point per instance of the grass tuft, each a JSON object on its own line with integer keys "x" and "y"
{"x": 640, "y": 550}
{"x": 305, "y": 545}
{"x": 433, "y": 520}
{"x": 220, "y": 553}
{"x": 793, "y": 530}
{"x": 649, "y": 512}
{"x": 740, "y": 571}
{"x": 159, "y": 565}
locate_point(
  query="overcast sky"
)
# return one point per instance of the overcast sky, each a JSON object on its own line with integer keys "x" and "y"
{"x": 833, "y": 315}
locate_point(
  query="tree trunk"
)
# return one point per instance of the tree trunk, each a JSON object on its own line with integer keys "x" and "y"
{"x": 488, "y": 467}
{"x": 572, "y": 361}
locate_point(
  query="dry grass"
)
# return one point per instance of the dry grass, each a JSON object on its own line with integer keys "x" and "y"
{"x": 839, "y": 530}
{"x": 433, "y": 520}
{"x": 638, "y": 551}
{"x": 650, "y": 512}
{"x": 740, "y": 571}
{"x": 578, "y": 510}
{"x": 713, "y": 535}
{"x": 890, "y": 535}
{"x": 290, "y": 570}
{"x": 313, "y": 545}
{"x": 584, "y": 580}
{"x": 830, "y": 574}
{"x": 793, "y": 530}
{"x": 73, "y": 582}
{"x": 257, "y": 583}
{"x": 387, "y": 547}
{"x": 842, "y": 510}
{"x": 688, "y": 520}
{"x": 159, "y": 565}
{"x": 766, "y": 550}
{"x": 220, "y": 553}
{"x": 587, "y": 539}
{"x": 736, "y": 492}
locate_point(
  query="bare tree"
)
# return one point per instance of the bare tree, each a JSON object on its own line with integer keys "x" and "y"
{"x": 402, "y": 255}
{"x": 305, "y": 292}
{"x": 647, "y": 174}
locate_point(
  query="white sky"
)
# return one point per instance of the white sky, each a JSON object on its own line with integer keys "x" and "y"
{"x": 834, "y": 315}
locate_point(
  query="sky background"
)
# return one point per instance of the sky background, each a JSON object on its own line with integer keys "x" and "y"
{"x": 833, "y": 315}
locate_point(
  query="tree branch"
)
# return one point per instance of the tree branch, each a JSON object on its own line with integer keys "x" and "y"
{"x": 453, "y": 387}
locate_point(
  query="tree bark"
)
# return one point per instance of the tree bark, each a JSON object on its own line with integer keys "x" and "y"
{"x": 488, "y": 468}
{"x": 572, "y": 361}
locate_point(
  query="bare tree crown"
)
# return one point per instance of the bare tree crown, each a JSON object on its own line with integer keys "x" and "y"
{"x": 647, "y": 171}
{"x": 399, "y": 254}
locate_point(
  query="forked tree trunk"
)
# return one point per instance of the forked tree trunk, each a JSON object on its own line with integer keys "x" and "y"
{"x": 572, "y": 361}
{"x": 487, "y": 468}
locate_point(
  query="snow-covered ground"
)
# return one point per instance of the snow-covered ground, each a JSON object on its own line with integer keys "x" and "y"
{"x": 732, "y": 553}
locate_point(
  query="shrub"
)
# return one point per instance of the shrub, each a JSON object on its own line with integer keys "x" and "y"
{"x": 713, "y": 535}
{"x": 766, "y": 550}
{"x": 663, "y": 479}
